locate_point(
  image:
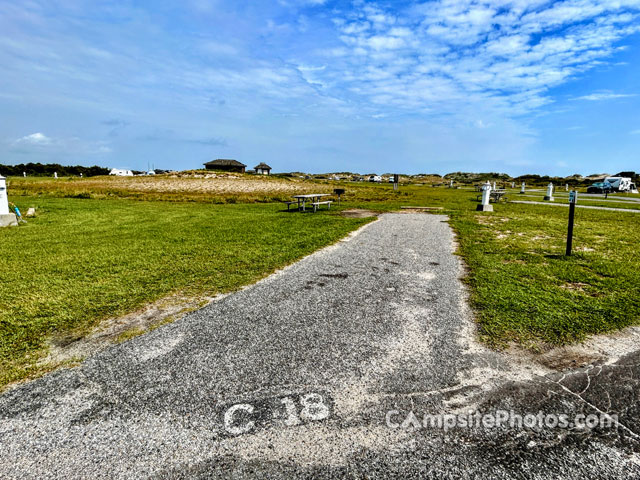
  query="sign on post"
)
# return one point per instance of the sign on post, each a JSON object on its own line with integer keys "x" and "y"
{"x": 396, "y": 180}
{"x": 573, "y": 199}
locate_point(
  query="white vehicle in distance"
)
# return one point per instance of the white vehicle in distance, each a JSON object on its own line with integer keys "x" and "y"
{"x": 621, "y": 184}
{"x": 375, "y": 178}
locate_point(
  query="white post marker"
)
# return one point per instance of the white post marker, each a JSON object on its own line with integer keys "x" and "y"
{"x": 549, "y": 196}
{"x": 522, "y": 188}
{"x": 513, "y": 184}
{"x": 7, "y": 219}
{"x": 494, "y": 185}
{"x": 566, "y": 187}
{"x": 451, "y": 184}
{"x": 485, "y": 206}
{"x": 4, "y": 200}
{"x": 55, "y": 174}
{"x": 24, "y": 174}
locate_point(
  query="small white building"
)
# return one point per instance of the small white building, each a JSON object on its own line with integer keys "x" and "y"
{"x": 121, "y": 173}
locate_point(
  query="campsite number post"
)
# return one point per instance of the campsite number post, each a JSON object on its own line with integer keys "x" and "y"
{"x": 396, "y": 180}
{"x": 573, "y": 198}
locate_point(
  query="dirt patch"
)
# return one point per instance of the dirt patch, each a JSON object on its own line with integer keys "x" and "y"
{"x": 486, "y": 220}
{"x": 419, "y": 209}
{"x": 70, "y": 348}
{"x": 569, "y": 357}
{"x": 581, "y": 288}
{"x": 575, "y": 286}
{"x": 598, "y": 349}
{"x": 358, "y": 213}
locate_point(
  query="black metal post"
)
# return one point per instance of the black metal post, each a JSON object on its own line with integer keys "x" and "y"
{"x": 572, "y": 210}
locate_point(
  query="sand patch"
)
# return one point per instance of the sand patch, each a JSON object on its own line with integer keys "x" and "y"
{"x": 114, "y": 330}
{"x": 358, "y": 213}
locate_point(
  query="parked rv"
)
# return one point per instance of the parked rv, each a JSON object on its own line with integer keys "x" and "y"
{"x": 619, "y": 184}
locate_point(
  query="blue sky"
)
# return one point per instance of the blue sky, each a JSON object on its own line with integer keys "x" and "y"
{"x": 319, "y": 85}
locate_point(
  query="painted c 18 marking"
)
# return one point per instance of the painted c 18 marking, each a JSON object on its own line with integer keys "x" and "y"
{"x": 290, "y": 410}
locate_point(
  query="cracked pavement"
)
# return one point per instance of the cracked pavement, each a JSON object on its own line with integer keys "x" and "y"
{"x": 319, "y": 371}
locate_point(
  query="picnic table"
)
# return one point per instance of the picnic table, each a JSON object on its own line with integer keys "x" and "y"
{"x": 314, "y": 198}
{"x": 495, "y": 195}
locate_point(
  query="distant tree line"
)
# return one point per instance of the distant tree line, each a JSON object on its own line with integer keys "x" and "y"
{"x": 47, "y": 170}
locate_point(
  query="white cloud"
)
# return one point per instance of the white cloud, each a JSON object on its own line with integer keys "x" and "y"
{"x": 502, "y": 56}
{"x": 379, "y": 42}
{"x": 37, "y": 138}
{"x": 40, "y": 143}
{"x": 595, "y": 97}
{"x": 635, "y": 132}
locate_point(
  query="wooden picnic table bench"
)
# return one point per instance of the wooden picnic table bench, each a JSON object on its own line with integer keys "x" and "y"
{"x": 317, "y": 204}
{"x": 293, "y": 202}
{"x": 314, "y": 199}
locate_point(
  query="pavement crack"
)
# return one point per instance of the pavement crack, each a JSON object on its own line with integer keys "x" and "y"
{"x": 633, "y": 434}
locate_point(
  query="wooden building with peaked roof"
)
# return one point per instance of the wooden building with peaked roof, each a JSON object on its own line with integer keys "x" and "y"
{"x": 225, "y": 164}
{"x": 262, "y": 169}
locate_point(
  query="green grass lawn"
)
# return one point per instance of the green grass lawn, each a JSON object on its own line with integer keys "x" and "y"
{"x": 523, "y": 289}
{"x": 83, "y": 260}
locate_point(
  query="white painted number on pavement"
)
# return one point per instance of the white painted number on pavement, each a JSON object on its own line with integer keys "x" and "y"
{"x": 243, "y": 418}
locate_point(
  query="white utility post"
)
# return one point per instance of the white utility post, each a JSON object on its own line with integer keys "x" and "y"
{"x": 451, "y": 184}
{"x": 24, "y": 174}
{"x": 549, "y": 196}
{"x": 55, "y": 174}
{"x": 522, "y": 188}
{"x": 513, "y": 184}
{"x": 485, "y": 206}
{"x": 7, "y": 219}
{"x": 566, "y": 187}
{"x": 494, "y": 185}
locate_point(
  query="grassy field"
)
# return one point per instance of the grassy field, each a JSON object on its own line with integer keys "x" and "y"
{"x": 85, "y": 259}
{"x": 82, "y": 260}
